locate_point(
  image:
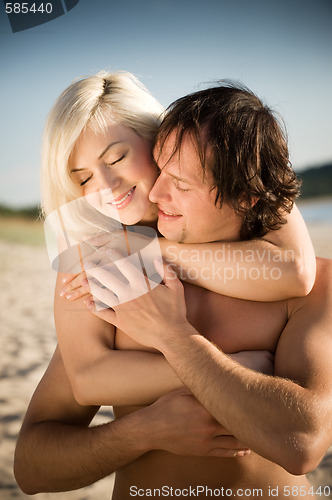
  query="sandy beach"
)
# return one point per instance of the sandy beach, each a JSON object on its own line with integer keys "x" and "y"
{"x": 27, "y": 343}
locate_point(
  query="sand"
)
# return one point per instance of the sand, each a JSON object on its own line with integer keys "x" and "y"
{"x": 27, "y": 342}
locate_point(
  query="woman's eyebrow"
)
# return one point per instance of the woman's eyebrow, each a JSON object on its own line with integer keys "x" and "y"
{"x": 108, "y": 147}
{"x": 99, "y": 157}
{"x": 77, "y": 170}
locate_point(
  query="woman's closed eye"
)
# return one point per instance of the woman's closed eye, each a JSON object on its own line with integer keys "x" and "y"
{"x": 117, "y": 161}
{"x": 82, "y": 183}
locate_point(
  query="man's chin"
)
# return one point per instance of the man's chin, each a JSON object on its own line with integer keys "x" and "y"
{"x": 172, "y": 235}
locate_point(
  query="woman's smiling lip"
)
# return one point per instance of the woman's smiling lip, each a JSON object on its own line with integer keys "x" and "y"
{"x": 124, "y": 199}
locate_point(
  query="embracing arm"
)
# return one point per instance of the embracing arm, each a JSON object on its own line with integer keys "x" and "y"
{"x": 287, "y": 417}
{"x": 100, "y": 375}
{"x": 278, "y": 266}
{"x": 57, "y": 451}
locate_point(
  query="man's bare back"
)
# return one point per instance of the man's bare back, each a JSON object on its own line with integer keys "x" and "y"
{"x": 233, "y": 325}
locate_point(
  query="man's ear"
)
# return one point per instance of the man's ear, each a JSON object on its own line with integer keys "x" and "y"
{"x": 254, "y": 200}
{"x": 245, "y": 204}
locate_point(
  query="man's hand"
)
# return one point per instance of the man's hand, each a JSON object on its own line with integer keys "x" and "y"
{"x": 151, "y": 318}
{"x": 180, "y": 425}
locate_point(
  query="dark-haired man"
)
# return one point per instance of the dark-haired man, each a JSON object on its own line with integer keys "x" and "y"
{"x": 205, "y": 193}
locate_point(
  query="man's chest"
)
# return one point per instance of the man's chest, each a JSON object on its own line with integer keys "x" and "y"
{"x": 232, "y": 324}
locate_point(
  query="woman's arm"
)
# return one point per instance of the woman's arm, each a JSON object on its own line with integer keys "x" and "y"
{"x": 98, "y": 374}
{"x": 278, "y": 266}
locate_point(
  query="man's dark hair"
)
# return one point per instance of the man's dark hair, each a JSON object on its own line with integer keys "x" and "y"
{"x": 239, "y": 139}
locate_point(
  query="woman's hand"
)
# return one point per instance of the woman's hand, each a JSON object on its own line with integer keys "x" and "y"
{"x": 74, "y": 286}
{"x": 259, "y": 361}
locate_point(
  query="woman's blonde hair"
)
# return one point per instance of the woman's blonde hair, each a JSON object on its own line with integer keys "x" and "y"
{"x": 93, "y": 101}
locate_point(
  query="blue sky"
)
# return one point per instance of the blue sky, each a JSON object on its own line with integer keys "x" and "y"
{"x": 282, "y": 50}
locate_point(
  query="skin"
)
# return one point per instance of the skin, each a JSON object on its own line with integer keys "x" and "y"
{"x": 287, "y": 417}
{"x": 87, "y": 454}
{"x": 112, "y": 165}
{"x": 54, "y": 422}
{"x": 181, "y": 192}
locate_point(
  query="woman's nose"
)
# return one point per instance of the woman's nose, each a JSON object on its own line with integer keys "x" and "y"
{"x": 108, "y": 179}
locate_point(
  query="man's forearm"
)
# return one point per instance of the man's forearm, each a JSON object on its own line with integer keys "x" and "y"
{"x": 53, "y": 456}
{"x": 268, "y": 414}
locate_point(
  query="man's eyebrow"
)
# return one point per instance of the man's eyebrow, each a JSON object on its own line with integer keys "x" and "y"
{"x": 180, "y": 178}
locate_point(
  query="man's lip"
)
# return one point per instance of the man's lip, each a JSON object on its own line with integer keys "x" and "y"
{"x": 168, "y": 213}
{"x": 123, "y": 196}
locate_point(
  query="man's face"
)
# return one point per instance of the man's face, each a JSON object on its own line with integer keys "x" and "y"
{"x": 187, "y": 211}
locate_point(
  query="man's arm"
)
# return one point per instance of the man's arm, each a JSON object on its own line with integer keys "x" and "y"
{"x": 57, "y": 451}
{"x": 286, "y": 418}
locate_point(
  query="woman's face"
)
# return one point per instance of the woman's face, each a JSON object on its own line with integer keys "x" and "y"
{"x": 116, "y": 172}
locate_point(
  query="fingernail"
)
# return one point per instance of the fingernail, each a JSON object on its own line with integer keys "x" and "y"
{"x": 85, "y": 282}
{"x": 242, "y": 453}
{"x": 158, "y": 263}
{"x": 111, "y": 254}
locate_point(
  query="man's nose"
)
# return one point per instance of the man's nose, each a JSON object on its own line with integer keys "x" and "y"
{"x": 159, "y": 191}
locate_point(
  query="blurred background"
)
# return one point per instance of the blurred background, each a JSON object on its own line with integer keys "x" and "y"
{"x": 281, "y": 50}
